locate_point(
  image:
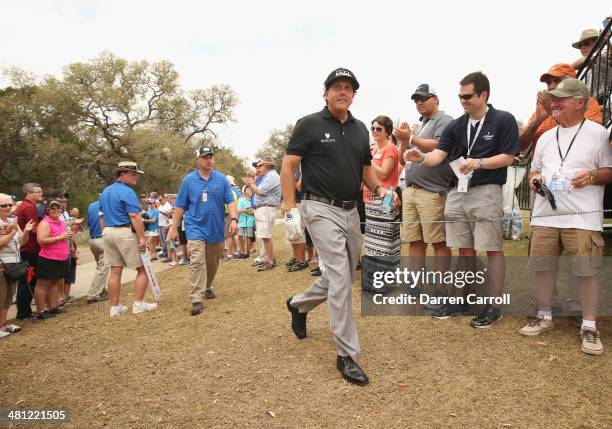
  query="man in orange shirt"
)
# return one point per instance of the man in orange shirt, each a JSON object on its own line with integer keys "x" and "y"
{"x": 541, "y": 121}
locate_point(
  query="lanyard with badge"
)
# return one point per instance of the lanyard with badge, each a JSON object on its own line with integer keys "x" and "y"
{"x": 463, "y": 184}
{"x": 205, "y": 196}
{"x": 558, "y": 179}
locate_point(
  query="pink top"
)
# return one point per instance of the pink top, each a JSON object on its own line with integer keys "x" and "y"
{"x": 57, "y": 251}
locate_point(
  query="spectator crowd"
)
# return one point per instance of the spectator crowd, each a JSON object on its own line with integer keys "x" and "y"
{"x": 423, "y": 184}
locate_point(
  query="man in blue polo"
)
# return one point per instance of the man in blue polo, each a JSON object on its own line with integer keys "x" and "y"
{"x": 95, "y": 223}
{"x": 122, "y": 245}
{"x": 201, "y": 198}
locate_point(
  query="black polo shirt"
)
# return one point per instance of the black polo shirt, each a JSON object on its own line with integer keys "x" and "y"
{"x": 499, "y": 134}
{"x": 333, "y": 154}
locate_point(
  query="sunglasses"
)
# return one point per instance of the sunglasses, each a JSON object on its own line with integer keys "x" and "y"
{"x": 543, "y": 190}
{"x": 55, "y": 208}
{"x": 377, "y": 129}
{"x": 8, "y": 205}
{"x": 421, "y": 99}
{"x": 466, "y": 97}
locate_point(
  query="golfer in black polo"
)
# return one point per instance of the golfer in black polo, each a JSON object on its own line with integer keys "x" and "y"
{"x": 333, "y": 149}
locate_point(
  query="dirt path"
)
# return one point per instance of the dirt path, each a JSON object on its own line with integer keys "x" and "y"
{"x": 239, "y": 365}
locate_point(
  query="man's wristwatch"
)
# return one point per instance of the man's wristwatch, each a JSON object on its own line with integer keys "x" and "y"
{"x": 481, "y": 162}
{"x": 234, "y": 219}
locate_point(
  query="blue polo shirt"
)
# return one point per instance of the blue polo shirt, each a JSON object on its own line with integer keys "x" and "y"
{"x": 204, "y": 220}
{"x": 93, "y": 219}
{"x": 153, "y": 214}
{"x": 117, "y": 202}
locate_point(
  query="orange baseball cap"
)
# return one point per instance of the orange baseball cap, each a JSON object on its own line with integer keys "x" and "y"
{"x": 559, "y": 70}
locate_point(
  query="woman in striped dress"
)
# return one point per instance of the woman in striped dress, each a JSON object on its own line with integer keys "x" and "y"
{"x": 382, "y": 230}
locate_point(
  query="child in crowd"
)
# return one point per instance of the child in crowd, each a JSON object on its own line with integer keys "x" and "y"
{"x": 246, "y": 223}
{"x": 152, "y": 228}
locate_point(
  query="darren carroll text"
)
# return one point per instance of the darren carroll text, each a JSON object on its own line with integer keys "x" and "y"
{"x": 405, "y": 299}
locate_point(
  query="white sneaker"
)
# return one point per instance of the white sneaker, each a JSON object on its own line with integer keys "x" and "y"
{"x": 4, "y": 334}
{"x": 11, "y": 329}
{"x": 591, "y": 342}
{"x": 141, "y": 307}
{"x": 535, "y": 326}
{"x": 117, "y": 310}
{"x": 172, "y": 264}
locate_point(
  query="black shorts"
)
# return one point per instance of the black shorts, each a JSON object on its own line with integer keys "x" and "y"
{"x": 182, "y": 237}
{"x": 50, "y": 269}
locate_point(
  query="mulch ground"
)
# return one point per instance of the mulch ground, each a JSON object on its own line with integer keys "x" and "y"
{"x": 239, "y": 365}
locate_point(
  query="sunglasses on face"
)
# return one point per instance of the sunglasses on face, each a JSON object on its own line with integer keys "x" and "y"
{"x": 418, "y": 99}
{"x": 8, "y": 205}
{"x": 55, "y": 208}
{"x": 466, "y": 97}
{"x": 377, "y": 129}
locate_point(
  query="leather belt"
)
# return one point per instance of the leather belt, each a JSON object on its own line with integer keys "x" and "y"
{"x": 346, "y": 205}
{"x": 265, "y": 205}
{"x": 125, "y": 225}
{"x": 97, "y": 236}
{"x": 470, "y": 186}
{"x": 441, "y": 193}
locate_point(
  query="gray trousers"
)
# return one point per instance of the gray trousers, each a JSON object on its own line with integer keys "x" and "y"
{"x": 99, "y": 280}
{"x": 337, "y": 237}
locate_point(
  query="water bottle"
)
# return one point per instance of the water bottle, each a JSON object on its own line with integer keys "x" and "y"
{"x": 517, "y": 225}
{"x": 387, "y": 201}
{"x": 507, "y": 225}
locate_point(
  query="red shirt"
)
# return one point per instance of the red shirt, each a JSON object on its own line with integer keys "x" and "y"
{"x": 26, "y": 212}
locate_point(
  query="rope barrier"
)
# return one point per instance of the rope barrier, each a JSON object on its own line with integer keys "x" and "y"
{"x": 494, "y": 219}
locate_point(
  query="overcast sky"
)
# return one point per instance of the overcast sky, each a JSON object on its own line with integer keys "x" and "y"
{"x": 276, "y": 54}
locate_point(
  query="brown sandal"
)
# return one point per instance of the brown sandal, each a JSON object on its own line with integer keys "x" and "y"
{"x": 266, "y": 266}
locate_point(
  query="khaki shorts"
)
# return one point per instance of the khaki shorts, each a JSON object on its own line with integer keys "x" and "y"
{"x": 7, "y": 290}
{"x": 121, "y": 248}
{"x": 422, "y": 205}
{"x": 583, "y": 247}
{"x": 302, "y": 238}
{"x": 479, "y": 202}
{"x": 264, "y": 221}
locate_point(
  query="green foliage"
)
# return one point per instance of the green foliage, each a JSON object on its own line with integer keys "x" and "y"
{"x": 275, "y": 147}
{"x": 70, "y": 132}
